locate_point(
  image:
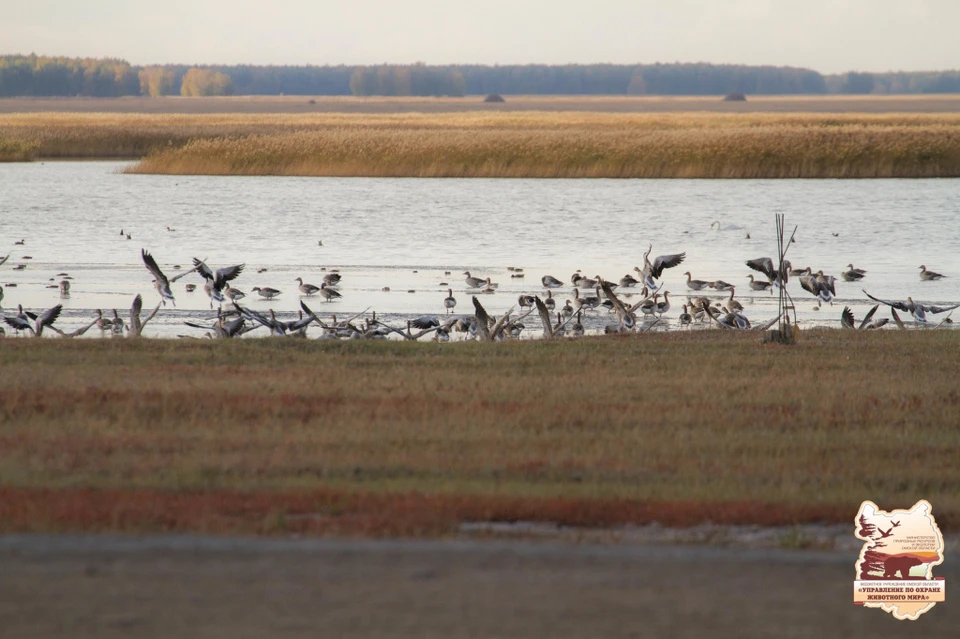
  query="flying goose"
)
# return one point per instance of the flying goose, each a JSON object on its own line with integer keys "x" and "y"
{"x": 766, "y": 266}
{"x": 136, "y": 324}
{"x": 928, "y": 276}
{"x": 474, "y": 282}
{"x": 449, "y": 302}
{"x": 306, "y": 289}
{"x": 823, "y": 290}
{"x": 695, "y": 285}
{"x": 651, "y": 271}
{"x": 266, "y": 292}
{"x": 550, "y": 281}
{"x": 215, "y": 281}
{"x": 759, "y": 286}
{"x": 160, "y": 280}
{"x": 919, "y": 311}
{"x": 847, "y": 320}
{"x": 22, "y": 321}
{"x": 625, "y": 316}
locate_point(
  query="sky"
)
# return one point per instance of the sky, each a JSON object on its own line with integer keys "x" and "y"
{"x": 830, "y": 36}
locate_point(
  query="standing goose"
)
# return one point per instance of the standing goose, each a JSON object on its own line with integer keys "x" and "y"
{"x": 328, "y": 293}
{"x": 550, "y": 281}
{"x": 64, "y": 288}
{"x": 577, "y": 329}
{"x": 628, "y": 281}
{"x": 549, "y": 301}
{"x": 759, "y": 286}
{"x": 720, "y": 285}
{"x": 526, "y": 301}
{"x": 103, "y": 323}
{"x": 852, "y": 275}
{"x": 651, "y": 271}
{"x": 306, "y": 289}
{"x": 449, "y": 302}
{"x": 474, "y": 282}
{"x": 117, "y": 323}
{"x": 233, "y": 294}
{"x": 160, "y": 280}
{"x": 664, "y": 306}
{"x": 266, "y": 292}
{"x": 22, "y": 322}
{"x": 685, "y": 318}
{"x": 332, "y": 279}
{"x": 695, "y": 285}
{"x": 928, "y": 276}
{"x": 649, "y": 306}
{"x": 858, "y": 271}
{"x": 732, "y": 304}
{"x": 567, "y": 309}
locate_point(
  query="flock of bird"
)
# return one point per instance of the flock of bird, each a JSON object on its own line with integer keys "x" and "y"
{"x": 587, "y": 294}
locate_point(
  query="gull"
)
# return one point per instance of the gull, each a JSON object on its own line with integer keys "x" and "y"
{"x": 22, "y": 321}
{"x": 215, "y": 281}
{"x": 160, "y": 280}
{"x": 651, "y": 271}
{"x": 918, "y": 311}
{"x": 928, "y": 276}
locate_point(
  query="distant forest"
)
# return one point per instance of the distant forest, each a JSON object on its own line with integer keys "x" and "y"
{"x": 34, "y": 75}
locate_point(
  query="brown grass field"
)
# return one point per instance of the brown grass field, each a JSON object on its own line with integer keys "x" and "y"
{"x": 301, "y": 104}
{"x": 266, "y": 436}
{"x": 511, "y": 144}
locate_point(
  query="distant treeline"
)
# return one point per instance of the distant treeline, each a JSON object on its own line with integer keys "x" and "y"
{"x": 54, "y": 76}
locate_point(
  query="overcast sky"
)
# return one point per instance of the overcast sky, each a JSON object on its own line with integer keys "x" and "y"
{"x": 827, "y": 35}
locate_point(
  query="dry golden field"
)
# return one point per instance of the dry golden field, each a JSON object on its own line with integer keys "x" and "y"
{"x": 393, "y": 438}
{"x": 510, "y": 144}
{"x": 940, "y": 103}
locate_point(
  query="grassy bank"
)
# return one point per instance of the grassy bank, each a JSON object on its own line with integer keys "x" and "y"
{"x": 512, "y": 144}
{"x": 413, "y": 438}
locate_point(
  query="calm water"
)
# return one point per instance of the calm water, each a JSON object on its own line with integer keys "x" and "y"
{"x": 405, "y": 233}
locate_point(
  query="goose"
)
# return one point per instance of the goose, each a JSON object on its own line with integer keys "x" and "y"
{"x": 797, "y": 272}
{"x": 449, "y": 302}
{"x": 234, "y": 293}
{"x": 474, "y": 282}
{"x": 649, "y": 306}
{"x": 306, "y": 289}
{"x": 332, "y": 279}
{"x": 1, "y": 297}
{"x": 928, "y": 276}
{"x": 549, "y": 302}
{"x": 22, "y": 321}
{"x": 685, "y": 318}
{"x": 720, "y": 285}
{"x": 266, "y": 292}
{"x": 425, "y": 321}
{"x": 328, "y": 293}
{"x": 919, "y": 311}
{"x": 847, "y": 320}
{"x": 190, "y": 288}
{"x": 160, "y": 280}
{"x": 583, "y": 282}
{"x": 733, "y": 305}
{"x": 628, "y": 281}
{"x": 577, "y": 329}
{"x": 136, "y": 324}
{"x": 103, "y": 323}
{"x": 560, "y": 329}
{"x": 549, "y": 281}
{"x": 759, "y": 286}
{"x": 853, "y": 275}
{"x": 567, "y": 309}
{"x": 766, "y": 266}
{"x": 858, "y": 271}
{"x": 695, "y": 285}
{"x": 22, "y": 242}
{"x": 170, "y": 230}
{"x": 64, "y": 288}
{"x": 526, "y": 301}
{"x": 581, "y": 302}
{"x": 664, "y": 306}
{"x": 821, "y": 290}
{"x": 651, "y": 271}
{"x": 215, "y": 281}
{"x": 117, "y": 323}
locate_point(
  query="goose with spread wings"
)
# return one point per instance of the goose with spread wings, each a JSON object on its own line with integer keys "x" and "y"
{"x": 215, "y": 281}
{"x": 21, "y": 322}
{"x": 651, "y": 271}
{"x": 918, "y": 311}
{"x": 766, "y": 266}
{"x": 160, "y": 280}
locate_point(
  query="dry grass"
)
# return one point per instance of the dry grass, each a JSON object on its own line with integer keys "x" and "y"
{"x": 673, "y": 427}
{"x": 511, "y": 144}
{"x": 939, "y": 103}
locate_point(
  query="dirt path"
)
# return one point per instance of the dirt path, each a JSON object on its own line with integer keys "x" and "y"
{"x": 196, "y": 586}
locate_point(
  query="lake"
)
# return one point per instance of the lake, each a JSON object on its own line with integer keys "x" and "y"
{"x": 404, "y": 234}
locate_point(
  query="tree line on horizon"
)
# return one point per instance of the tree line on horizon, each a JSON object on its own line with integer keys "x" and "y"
{"x": 34, "y": 75}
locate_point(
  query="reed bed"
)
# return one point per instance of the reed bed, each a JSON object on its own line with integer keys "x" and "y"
{"x": 507, "y": 144}
{"x": 679, "y": 428}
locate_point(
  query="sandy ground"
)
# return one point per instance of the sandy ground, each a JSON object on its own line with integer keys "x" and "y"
{"x": 86, "y": 586}
{"x": 946, "y": 103}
